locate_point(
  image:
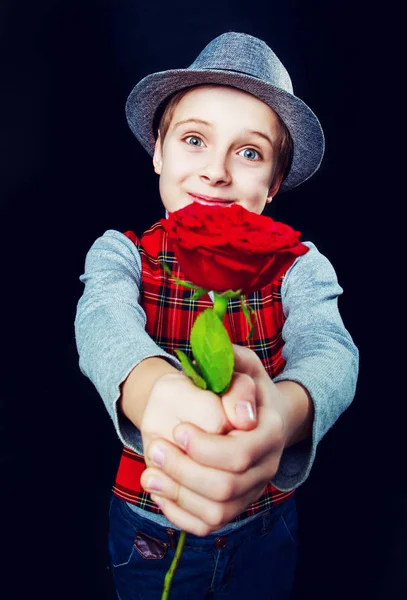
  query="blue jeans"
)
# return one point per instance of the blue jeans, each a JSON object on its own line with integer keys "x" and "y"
{"x": 255, "y": 561}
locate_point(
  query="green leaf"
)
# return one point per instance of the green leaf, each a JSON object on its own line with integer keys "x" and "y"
{"x": 213, "y": 351}
{"x": 190, "y": 370}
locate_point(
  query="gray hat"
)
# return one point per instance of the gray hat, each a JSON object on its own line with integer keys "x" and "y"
{"x": 246, "y": 63}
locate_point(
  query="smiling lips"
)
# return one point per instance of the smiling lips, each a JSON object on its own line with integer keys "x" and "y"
{"x": 208, "y": 201}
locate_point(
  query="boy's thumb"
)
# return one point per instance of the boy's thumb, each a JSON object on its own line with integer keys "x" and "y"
{"x": 239, "y": 402}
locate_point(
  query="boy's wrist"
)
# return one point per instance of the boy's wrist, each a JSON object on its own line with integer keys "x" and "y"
{"x": 136, "y": 388}
{"x": 300, "y": 411}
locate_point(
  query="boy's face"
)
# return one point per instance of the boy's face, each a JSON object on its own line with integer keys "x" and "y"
{"x": 221, "y": 147}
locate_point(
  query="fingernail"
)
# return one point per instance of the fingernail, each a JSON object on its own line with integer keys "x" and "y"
{"x": 154, "y": 484}
{"x": 244, "y": 410}
{"x": 157, "y": 456}
{"x": 181, "y": 437}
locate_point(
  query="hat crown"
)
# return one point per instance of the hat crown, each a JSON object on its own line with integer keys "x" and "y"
{"x": 246, "y": 54}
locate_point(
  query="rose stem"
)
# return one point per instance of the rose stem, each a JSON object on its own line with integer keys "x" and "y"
{"x": 170, "y": 573}
{"x": 220, "y": 305}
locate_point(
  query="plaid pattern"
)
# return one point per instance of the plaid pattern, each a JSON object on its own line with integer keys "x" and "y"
{"x": 171, "y": 313}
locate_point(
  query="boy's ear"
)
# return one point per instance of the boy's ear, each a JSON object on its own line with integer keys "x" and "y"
{"x": 275, "y": 186}
{"x": 157, "y": 158}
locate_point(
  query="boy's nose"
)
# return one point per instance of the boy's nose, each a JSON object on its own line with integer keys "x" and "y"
{"x": 216, "y": 170}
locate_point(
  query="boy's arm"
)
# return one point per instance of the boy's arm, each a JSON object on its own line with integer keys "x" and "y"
{"x": 136, "y": 389}
{"x": 320, "y": 356}
{"x": 110, "y": 331}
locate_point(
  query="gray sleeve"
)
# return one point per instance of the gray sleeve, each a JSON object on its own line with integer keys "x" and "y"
{"x": 320, "y": 354}
{"x": 110, "y": 324}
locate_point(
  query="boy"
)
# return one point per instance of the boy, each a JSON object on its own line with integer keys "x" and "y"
{"x": 226, "y": 130}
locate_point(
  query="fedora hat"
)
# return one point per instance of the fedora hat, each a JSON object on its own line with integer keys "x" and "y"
{"x": 247, "y": 63}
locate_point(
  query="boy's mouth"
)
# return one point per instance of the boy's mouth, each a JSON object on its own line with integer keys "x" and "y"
{"x": 209, "y": 201}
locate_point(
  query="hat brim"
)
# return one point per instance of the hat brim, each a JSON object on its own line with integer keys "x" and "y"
{"x": 304, "y": 127}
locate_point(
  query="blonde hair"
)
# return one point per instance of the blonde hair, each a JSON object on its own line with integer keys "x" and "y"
{"x": 285, "y": 147}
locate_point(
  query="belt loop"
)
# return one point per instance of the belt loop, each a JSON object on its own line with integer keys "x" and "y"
{"x": 172, "y": 538}
{"x": 266, "y": 522}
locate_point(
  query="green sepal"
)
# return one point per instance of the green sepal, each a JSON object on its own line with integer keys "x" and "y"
{"x": 198, "y": 293}
{"x": 246, "y": 308}
{"x": 230, "y": 294}
{"x": 178, "y": 281}
{"x": 212, "y": 350}
{"x": 189, "y": 370}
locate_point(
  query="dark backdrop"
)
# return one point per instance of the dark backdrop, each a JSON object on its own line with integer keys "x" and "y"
{"x": 70, "y": 169}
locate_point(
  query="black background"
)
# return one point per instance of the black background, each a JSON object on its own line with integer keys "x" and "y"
{"x": 70, "y": 169}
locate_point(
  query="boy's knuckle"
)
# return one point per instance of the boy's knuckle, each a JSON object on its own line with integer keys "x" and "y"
{"x": 254, "y": 359}
{"x": 216, "y": 419}
{"x": 177, "y": 495}
{"x": 174, "y": 469}
{"x": 159, "y": 387}
{"x": 203, "y": 529}
{"x": 241, "y": 462}
{"x": 215, "y": 516}
{"x": 225, "y": 487}
{"x": 248, "y": 382}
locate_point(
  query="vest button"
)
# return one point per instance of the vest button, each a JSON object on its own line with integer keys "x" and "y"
{"x": 220, "y": 543}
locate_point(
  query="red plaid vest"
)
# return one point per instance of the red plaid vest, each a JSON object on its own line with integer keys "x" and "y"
{"x": 170, "y": 315}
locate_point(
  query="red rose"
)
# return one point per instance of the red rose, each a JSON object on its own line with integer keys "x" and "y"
{"x": 230, "y": 248}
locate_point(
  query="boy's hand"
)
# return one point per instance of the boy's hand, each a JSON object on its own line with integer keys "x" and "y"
{"x": 212, "y": 477}
{"x": 175, "y": 399}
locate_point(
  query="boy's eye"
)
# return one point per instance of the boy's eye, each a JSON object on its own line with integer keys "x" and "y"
{"x": 192, "y": 140}
{"x": 250, "y": 154}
